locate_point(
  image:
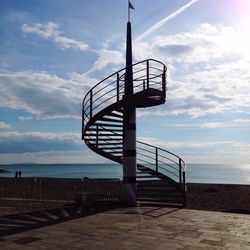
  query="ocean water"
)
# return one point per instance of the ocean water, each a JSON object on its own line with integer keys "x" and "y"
{"x": 196, "y": 173}
{"x": 65, "y": 170}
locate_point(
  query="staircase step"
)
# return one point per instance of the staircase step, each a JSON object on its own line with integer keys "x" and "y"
{"x": 107, "y": 134}
{"x": 120, "y": 110}
{"x": 115, "y": 152}
{"x": 110, "y": 143}
{"x": 116, "y": 115}
{"x": 110, "y": 120}
{"x": 108, "y": 125}
{"x": 110, "y": 148}
{"x": 156, "y": 193}
{"x": 160, "y": 203}
{"x": 159, "y": 191}
{"x": 147, "y": 172}
{"x": 165, "y": 200}
{"x": 145, "y": 184}
{"x": 104, "y": 129}
{"x": 146, "y": 176}
{"x": 162, "y": 198}
{"x": 104, "y": 139}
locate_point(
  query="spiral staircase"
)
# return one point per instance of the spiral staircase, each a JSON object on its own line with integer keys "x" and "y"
{"x": 160, "y": 173}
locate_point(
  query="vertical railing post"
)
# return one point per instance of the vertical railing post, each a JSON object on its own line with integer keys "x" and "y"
{"x": 97, "y": 135}
{"x": 143, "y": 84}
{"x": 117, "y": 86}
{"x": 164, "y": 81}
{"x": 180, "y": 172}
{"x": 184, "y": 189}
{"x": 83, "y": 118}
{"x": 147, "y": 74}
{"x": 91, "y": 102}
{"x": 156, "y": 159}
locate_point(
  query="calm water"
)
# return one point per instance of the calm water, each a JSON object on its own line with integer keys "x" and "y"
{"x": 201, "y": 173}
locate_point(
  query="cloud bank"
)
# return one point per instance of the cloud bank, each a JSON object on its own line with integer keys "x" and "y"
{"x": 42, "y": 147}
{"x": 51, "y": 32}
{"x": 206, "y": 75}
{"x": 21, "y": 142}
{"x": 44, "y": 95}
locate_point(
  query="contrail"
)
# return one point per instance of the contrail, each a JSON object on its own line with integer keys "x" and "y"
{"x": 164, "y": 20}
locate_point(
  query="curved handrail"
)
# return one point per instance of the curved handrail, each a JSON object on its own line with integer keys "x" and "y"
{"x": 111, "y": 89}
{"x": 146, "y": 144}
{"x": 162, "y": 161}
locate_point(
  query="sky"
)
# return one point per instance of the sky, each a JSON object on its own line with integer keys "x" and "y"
{"x": 52, "y": 52}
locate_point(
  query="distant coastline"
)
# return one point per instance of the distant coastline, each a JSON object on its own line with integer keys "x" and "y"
{"x": 4, "y": 170}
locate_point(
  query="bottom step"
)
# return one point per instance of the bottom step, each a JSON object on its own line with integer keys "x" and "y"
{"x": 160, "y": 204}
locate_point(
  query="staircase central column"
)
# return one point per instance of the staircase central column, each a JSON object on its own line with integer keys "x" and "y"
{"x": 129, "y": 130}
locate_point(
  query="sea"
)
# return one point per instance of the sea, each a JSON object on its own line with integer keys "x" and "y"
{"x": 195, "y": 173}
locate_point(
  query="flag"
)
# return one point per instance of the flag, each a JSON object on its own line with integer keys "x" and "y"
{"x": 130, "y": 6}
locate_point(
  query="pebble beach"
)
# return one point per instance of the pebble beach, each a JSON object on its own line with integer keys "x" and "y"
{"x": 29, "y": 194}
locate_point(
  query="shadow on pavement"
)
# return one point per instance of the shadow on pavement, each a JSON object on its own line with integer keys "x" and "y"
{"x": 21, "y": 222}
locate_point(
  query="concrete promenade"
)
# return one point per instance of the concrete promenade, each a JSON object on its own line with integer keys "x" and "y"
{"x": 145, "y": 227}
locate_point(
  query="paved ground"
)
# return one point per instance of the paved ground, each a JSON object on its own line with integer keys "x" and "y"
{"x": 127, "y": 228}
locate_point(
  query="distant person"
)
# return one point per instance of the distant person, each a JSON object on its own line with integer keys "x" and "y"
{"x": 20, "y": 173}
{"x": 16, "y": 175}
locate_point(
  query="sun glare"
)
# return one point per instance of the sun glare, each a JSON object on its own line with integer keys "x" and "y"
{"x": 237, "y": 39}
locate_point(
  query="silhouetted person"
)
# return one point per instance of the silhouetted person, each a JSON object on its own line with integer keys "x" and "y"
{"x": 19, "y": 173}
{"x": 16, "y": 175}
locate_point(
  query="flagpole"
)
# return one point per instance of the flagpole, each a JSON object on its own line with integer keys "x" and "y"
{"x": 128, "y": 12}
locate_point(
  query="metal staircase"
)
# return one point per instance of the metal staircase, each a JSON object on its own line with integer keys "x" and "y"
{"x": 160, "y": 173}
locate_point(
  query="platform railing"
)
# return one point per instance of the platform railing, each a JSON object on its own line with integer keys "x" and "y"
{"x": 147, "y": 74}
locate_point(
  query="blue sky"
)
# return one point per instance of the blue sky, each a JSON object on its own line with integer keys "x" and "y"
{"x": 52, "y": 52}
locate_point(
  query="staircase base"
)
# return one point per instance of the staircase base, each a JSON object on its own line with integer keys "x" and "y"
{"x": 128, "y": 194}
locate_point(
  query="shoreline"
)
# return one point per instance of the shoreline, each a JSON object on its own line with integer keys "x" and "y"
{"x": 33, "y": 193}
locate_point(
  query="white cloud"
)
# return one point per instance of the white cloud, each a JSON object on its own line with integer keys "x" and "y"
{"x": 25, "y": 118}
{"x": 226, "y": 152}
{"x": 107, "y": 57}
{"x": 43, "y": 135}
{"x": 4, "y": 125}
{"x": 242, "y": 121}
{"x": 20, "y": 142}
{"x": 208, "y": 73}
{"x": 19, "y": 16}
{"x": 206, "y": 42}
{"x": 42, "y": 147}
{"x": 44, "y": 95}
{"x": 51, "y": 31}
{"x": 110, "y": 43}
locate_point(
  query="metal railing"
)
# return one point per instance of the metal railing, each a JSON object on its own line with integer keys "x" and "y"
{"x": 147, "y": 74}
{"x": 162, "y": 161}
